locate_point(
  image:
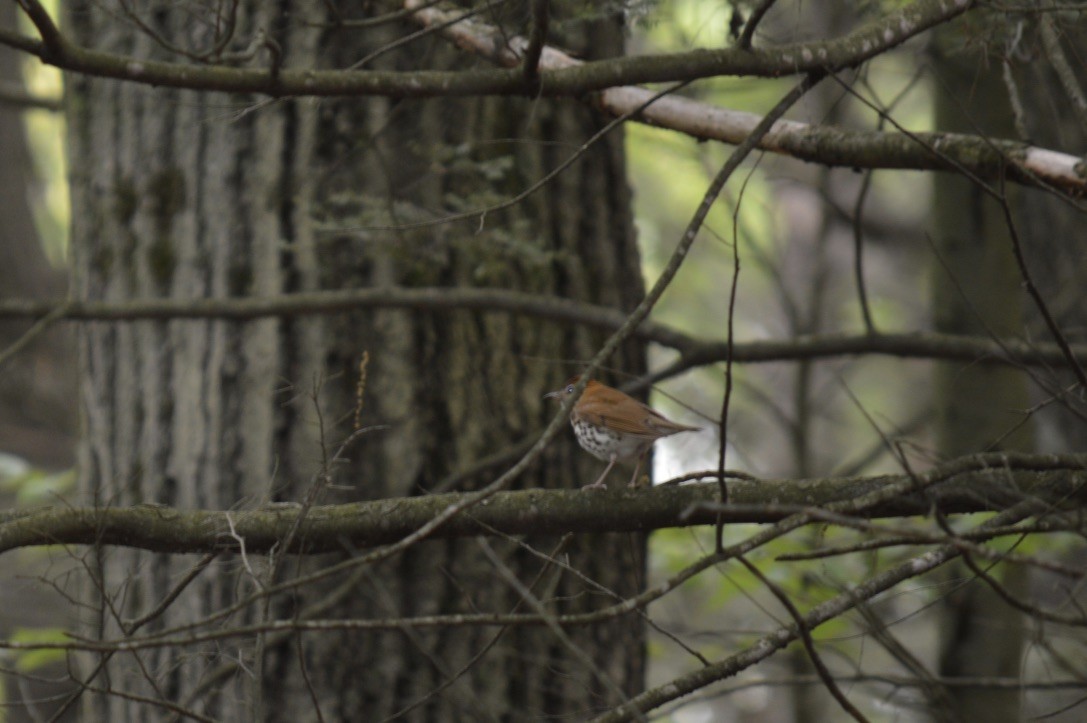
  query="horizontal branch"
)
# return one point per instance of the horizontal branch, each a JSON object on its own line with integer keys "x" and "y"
{"x": 837, "y": 147}
{"x": 976, "y": 484}
{"x": 695, "y": 351}
{"x": 828, "y": 146}
{"x": 993, "y": 682}
{"x": 16, "y": 96}
{"x": 848, "y": 51}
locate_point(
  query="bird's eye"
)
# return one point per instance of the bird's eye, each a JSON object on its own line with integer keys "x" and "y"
{"x": 570, "y": 389}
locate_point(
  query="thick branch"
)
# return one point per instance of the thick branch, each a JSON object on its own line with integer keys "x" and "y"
{"x": 848, "y": 51}
{"x": 696, "y": 352}
{"x": 827, "y": 146}
{"x": 978, "y": 484}
{"x": 325, "y": 302}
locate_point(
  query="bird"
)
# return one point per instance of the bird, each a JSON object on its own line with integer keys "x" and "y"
{"x": 615, "y": 427}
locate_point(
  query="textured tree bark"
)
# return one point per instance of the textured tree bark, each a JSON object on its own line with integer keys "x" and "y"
{"x": 172, "y": 196}
{"x": 977, "y": 289}
{"x": 188, "y": 195}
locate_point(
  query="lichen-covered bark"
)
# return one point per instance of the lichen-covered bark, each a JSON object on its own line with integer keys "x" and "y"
{"x": 188, "y": 194}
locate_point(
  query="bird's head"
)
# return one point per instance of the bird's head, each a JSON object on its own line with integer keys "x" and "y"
{"x": 566, "y": 390}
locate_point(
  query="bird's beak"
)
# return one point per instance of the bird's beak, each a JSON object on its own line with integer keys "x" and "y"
{"x": 553, "y": 395}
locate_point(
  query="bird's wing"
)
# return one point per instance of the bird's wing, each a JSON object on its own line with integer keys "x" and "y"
{"x": 666, "y": 426}
{"x": 626, "y": 415}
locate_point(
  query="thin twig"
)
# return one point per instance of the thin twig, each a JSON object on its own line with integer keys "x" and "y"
{"x": 563, "y": 637}
{"x": 537, "y": 39}
{"x": 550, "y": 558}
{"x": 730, "y": 348}
{"x": 37, "y": 329}
{"x": 1065, "y": 74}
{"x": 769, "y": 644}
{"x": 858, "y": 254}
{"x": 1019, "y": 115}
{"x": 753, "y": 22}
{"x": 130, "y": 627}
{"x": 376, "y": 21}
{"x": 422, "y": 33}
{"x": 1035, "y": 295}
{"x": 809, "y": 644}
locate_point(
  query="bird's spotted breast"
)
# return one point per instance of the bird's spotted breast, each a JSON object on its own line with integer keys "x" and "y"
{"x": 615, "y": 427}
{"x": 605, "y": 443}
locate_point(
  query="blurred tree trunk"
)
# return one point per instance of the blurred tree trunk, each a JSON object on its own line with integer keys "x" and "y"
{"x": 37, "y": 421}
{"x": 1052, "y": 230}
{"x": 183, "y": 194}
{"x": 1052, "y": 227}
{"x": 977, "y": 290}
{"x": 37, "y": 417}
{"x": 810, "y": 310}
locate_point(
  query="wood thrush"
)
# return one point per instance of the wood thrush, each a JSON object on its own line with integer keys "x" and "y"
{"x": 615, "y": 427}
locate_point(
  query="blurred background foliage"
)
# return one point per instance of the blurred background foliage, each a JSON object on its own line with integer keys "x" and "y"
{"x": 45, "y": 134}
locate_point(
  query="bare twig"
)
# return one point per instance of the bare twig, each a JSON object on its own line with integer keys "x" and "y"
{"x": 1035, "y": 295}
{"x": 37, "y": 329}
{"x": 753, "y": 22}
{"x": 769, "y": 644}
{"x": 537, "y": 39}
{"x": 1065, "y": 74}
{"x": 130, "y": 627}
{"x": 730, "y": 348}
{"x": 551, "y": 558}
{"x": 460, "y": 17}
{"x": 809, "y": 644}
{"x": 549, "y": 620}
{"x": 1016, "y": 101}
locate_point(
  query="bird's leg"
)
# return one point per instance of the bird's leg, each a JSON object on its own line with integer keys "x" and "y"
{"x": 637, "y": 469}
{"x": 599, "y": 484}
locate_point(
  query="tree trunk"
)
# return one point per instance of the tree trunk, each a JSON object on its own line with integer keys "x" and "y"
{"x": 1052, "y": 233}
{"x": 171, "y": 197}
{"x": 191, "y": 195}
{"x": 977, "y": 290}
